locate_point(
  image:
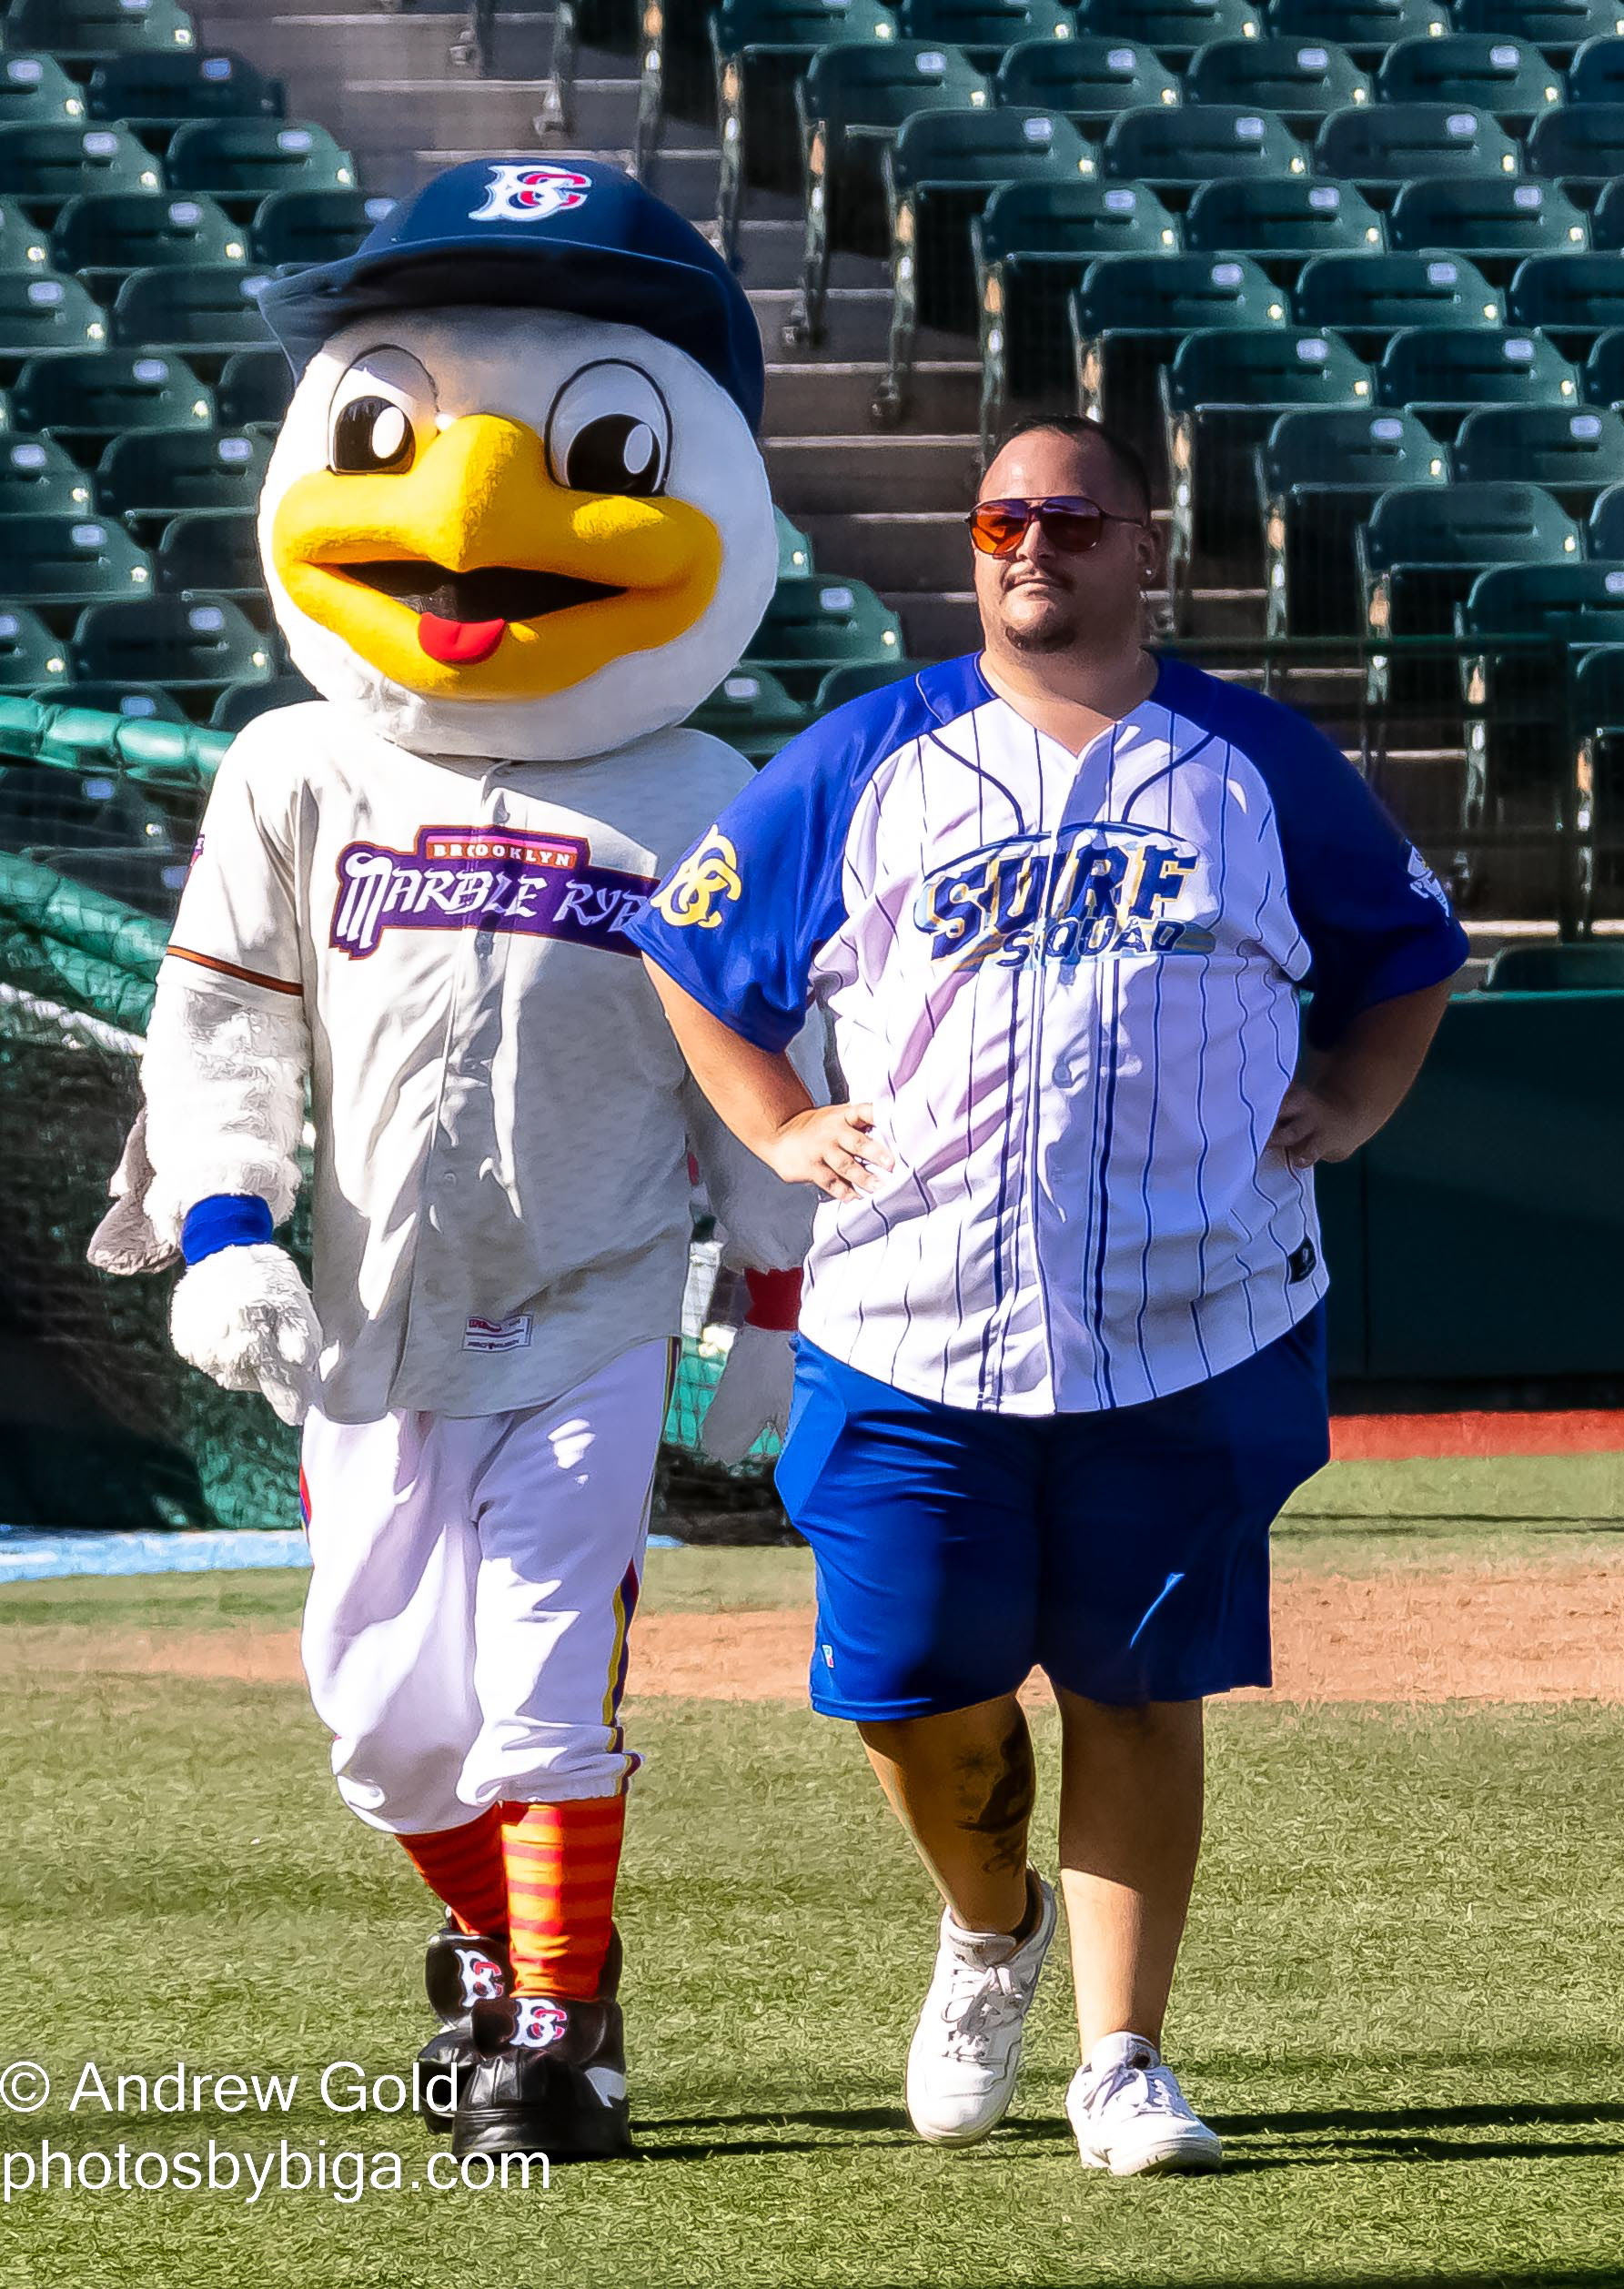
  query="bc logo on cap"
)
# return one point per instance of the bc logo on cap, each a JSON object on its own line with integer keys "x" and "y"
{"x": 530, "y": 194}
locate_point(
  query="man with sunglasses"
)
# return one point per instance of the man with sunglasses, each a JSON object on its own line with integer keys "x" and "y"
{"x": 1061, "y": 1353}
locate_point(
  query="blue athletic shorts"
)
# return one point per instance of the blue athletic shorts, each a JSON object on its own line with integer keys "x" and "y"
{"x": 1125, "y": 1553}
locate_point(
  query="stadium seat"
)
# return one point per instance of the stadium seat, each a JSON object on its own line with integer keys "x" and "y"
{"x": 1598, "y": 712}
{"x": 307, "y": 226}
{"x": 1442, "y": 372}
{"x": 1558, "y": 26}
{"x": 1596, "y": 74}
{"x": 241, "y": 703}
{"x": 1282, "y": 221}
{"x": 139, "y": 703}
{"x": 1607, "y": 219}
{"x": 1573, "y": 456}
{"x": 1299, "y": 80}
{"x": 842, "y": 684}
{"x": 1174, "y": 28}
{"x": 254, "y": 390}
{"x": 1496, "y": 220}
{"x": 1090, "y": 79}
{"x": 983, "y": 29}
{"x": 35, "y": 91}
{"x": 811, "y": 626}
{"x": 794, "y": 549}
{"x": 1319, "y": 473}
{"x": 41, "y": 313}
{"x": 760, "y": 50}
{"x": 1581, "y": 144}
{"x": 96, "y": 28}
{"x": 241, "y": 162}
{"x": 42, "y": 167}
{"x": 111, "y": 233}
{"x": 1593, "y": 965}
{"x": 147, "y": 478}
{"x": 62, "y": 562}
{"x": 211, "y": 552}
{"x": 1571, "y": 298}
{"x": 1367, "y": 298}
{"x": 40, "y": 478}
{"x": 851, "y": 104}
{"x": 23, "y": 245}
{"x": 204, "y": 310}
{"x": 1365, "y": 28}
{"x": 1472, "y": 71}
{"x": 1032, "y": 245}
{"x": 32, "y": 659}
{"x": 1173, "y": 151}
{"x": 192, "y": 649}
{"x": 1220, "y": 398}
{"x": 155, "y": 93}
{"x": 92, "y": 395}
{"x": 1380, "y": 146}
{"x": 1606, "y": 523}
{"x": 752, "y": 713}
{"x": 939, "y": 175}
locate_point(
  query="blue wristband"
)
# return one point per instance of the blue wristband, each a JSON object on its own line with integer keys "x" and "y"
{"x": 226, "y": 1220}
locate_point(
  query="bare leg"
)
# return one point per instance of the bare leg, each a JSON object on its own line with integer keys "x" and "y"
{"x": 962, "y": 1786}
{"x": 1130, "y": 1829}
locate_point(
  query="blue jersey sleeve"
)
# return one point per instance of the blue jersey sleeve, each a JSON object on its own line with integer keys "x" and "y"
{"x": 1376, "y": 920}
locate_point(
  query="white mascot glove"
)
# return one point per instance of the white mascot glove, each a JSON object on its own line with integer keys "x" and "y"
{"x": 245, "y": 1316}
{"x": 753, "y": 1395}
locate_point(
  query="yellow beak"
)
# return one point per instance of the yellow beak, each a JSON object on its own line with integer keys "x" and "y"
{"x": 473, "y": 576}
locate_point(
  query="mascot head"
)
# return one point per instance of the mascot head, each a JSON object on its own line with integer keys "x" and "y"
{"x": 517, "y": 507}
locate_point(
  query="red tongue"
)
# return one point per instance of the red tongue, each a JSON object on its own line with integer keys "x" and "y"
{"x": 458, "y": 643}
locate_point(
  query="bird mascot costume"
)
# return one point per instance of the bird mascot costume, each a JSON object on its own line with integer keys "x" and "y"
{"x": 516, "y": 527}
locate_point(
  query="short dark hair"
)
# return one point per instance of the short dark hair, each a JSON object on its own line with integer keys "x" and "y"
{"x": 1124, "y": 456}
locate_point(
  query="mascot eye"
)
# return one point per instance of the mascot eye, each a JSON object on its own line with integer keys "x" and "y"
{"x": 380, "y": 411}
{"x": 609, "y": 432}
{"x": 372, "y": 435}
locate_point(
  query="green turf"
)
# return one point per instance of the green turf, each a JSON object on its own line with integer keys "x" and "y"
{"x": 1399, "y": 2003}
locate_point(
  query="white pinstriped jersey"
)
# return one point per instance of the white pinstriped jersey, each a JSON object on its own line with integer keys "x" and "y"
{"x": 1069, "y": 983}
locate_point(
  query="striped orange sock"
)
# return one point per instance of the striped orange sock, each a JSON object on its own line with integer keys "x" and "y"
{"x": 562, "y": 1860}
{"x": 465, "y": 1867}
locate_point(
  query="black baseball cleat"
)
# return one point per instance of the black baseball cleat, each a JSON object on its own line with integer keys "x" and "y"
{"x": 460, "y": 1969}
{"x": 549, "y": 2078}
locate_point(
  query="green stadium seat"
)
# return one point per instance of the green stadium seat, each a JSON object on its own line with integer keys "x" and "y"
{"x": 211, "y": 552}
{"x": 1472, "y": 71}
{"x": 1497, "y": 220}
{"x": 811, "y": 626}
{"x": 309, "y": 227}
{"x": 40, "y": 478}
{"x": 35, "y": 91}
{"x": 154, "y": 92}
{"x": 1604, "y": 370}
{"x": 32, "y": 659}
{"x": 1174, "y": 28}
{"x": 41, "y": 313}
{"x": 240, "y": 162}
{"x": 1090, "y": 79}
{"x": 851, "y": 105}
{"x": 794, "y": 549}
{"x": 1573, "y": 456}
{"x": 1533, "y": 600}
{"x": 1607, "y": 219}
{"x": 751, "y": 711}
{"x": 241, "y": 703}
{"x": 1597, "y": 709}
{"x": 939, "y": 172}
{"x": 1558, "y": 26}
{"x": 23, "y": 245}
{"x": 109, "y": 234}
{"x": 1221, "y": 397}
{"x": 60, "y": 563}
{"x": 1365, "y": 28}
{"x": 1032, "y": 245}
{"x": 1380, "y": 146}
{"x": 192, "y": 649}
{"x": 254, "y": 390}
{"x": 1596, "y": 74}
{"x": 1282, "y": 221}
{"x": 137, "y": 703}
{"x": 983, "y": 29}
{"x": 1607, "y": 524}
{"x": 82, "y": 29}
{"x": 1442, "y": 372}
{"x": 1570, "y": 297}
{"x": 1367, "y": 298}
{"x": 1299, "y": 80}
{"x": 1591, "y": 966}
{"x": 760, "y": 49}
{"x": 41, "y": 166}
{"x": 149, "y": 478}
{"x": 92, "y": 395}
{"x": 1176, "y": 150}
{"x": 1319, "y": 474}
{"x": 842, "y": 684}
{"x": 206, "y": 309}
{"x": 1581, "y": 144}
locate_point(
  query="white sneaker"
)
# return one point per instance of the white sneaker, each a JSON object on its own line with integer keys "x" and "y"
{"x": 966, "y": 2048}
{"x": 1130, "y": 2114}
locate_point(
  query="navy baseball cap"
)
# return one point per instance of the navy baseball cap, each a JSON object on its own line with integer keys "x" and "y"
{"x": 536, "y": 233}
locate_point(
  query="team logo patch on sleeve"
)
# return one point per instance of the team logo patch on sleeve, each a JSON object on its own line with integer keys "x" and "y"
{"x": 689, "y": 900}
{"x": 530, "y": 194}
{"x": 485, "y": 878}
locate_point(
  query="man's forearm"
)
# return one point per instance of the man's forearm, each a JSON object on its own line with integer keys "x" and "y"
{"x": 1369, "y": 1072}
{"x": 754, "y": 1091}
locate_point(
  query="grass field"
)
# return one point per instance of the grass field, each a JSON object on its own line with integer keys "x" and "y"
{"x": 1399, "y": 2003}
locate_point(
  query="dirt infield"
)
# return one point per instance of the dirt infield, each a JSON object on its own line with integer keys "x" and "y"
{"x": 1511, "y": 1634}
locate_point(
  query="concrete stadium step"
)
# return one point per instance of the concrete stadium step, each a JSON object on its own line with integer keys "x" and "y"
{"x": 814, "y": 475}
{"x": 895, "y": 551}
{"x": 771, "y": 251}
{"x": 822, "y": 398}
{"x": 317, "y": 49}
